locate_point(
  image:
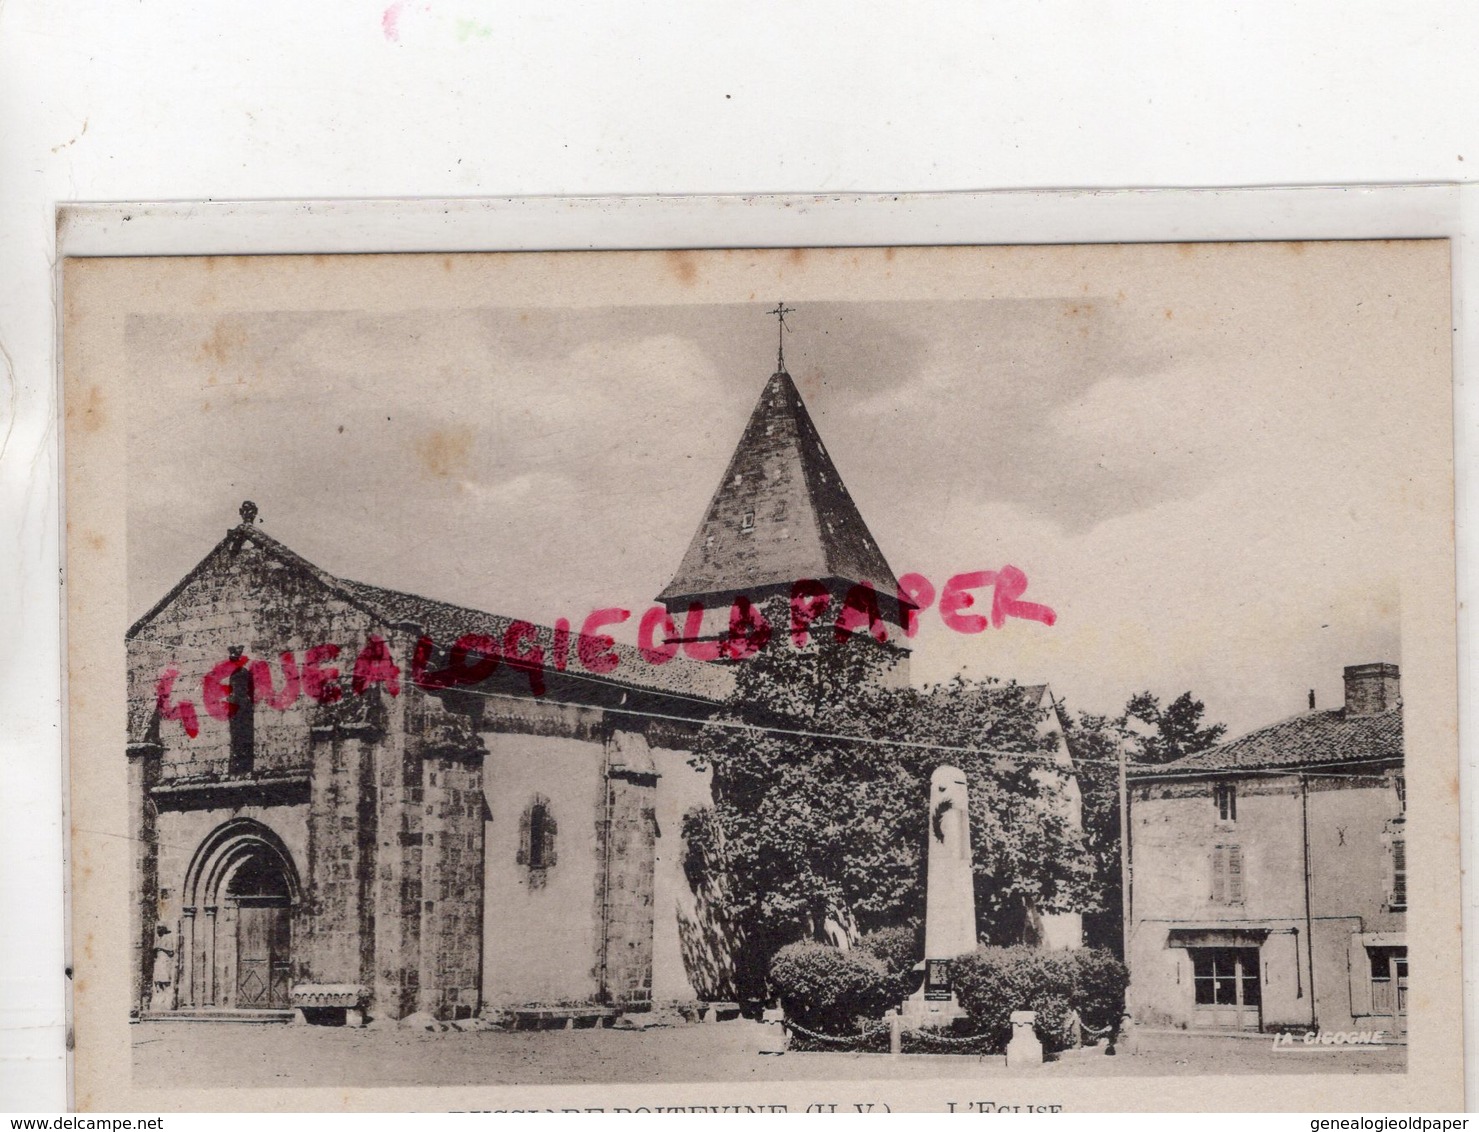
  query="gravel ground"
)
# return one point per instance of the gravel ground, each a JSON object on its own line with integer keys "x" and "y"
{"x": 166, "y": 1053}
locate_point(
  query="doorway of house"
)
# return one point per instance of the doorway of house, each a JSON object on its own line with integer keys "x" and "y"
{"x": 260, "y": 892}
{"x": 1228, "y": 993}
{"x": 1389, "y": 984}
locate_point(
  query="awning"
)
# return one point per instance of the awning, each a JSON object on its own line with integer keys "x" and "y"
{"x": 1383, "y": 939}
{"x": 1216, "y": 936}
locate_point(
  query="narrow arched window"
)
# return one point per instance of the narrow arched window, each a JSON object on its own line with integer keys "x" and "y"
{"x": 538, "y": 820}
{"x": 242, "y": 711}
{"x": 537, "y": 832}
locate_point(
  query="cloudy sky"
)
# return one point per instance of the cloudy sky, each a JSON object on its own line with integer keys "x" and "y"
{"x": 1199, "y": 458}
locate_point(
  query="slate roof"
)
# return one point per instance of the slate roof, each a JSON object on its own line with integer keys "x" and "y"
{"x": 445, "y": 622}
{"x": 780, "y": 513}
{"x": 1311, "y": 739}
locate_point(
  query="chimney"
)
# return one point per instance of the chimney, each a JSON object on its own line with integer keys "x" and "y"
{"x": 1371, "y": 688}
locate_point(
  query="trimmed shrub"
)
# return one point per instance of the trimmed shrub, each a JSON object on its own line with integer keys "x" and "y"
{"x": 826, "y": 989}
{"x": 993, "y": 982}
{"x": 899, "y": 949}
{"x": 1099, "y": 984}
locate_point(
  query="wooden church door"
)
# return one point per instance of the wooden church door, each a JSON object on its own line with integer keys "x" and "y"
{"x": 263, "y": 937}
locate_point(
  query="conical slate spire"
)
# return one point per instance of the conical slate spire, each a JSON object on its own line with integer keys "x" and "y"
{"x": 781, "y": 513}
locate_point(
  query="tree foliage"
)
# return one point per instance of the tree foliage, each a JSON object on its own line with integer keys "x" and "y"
{"x": 1149, "y": 735}
{"x": 820, "y": 810}
{"x": 1172, "y": 731}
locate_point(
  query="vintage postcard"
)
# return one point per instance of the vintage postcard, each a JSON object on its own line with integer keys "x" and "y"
{"x": 913, "y": 679}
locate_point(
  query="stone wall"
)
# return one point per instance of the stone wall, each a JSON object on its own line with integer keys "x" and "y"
{"x": 337, "y": 944}
{"x": 444, "y": 738}
{"x": 627, "y": 838}
{"x": 689, "y": 958}
{"x": 540, "y": 927}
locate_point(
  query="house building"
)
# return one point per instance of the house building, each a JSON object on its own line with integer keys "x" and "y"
{"x": 1268, "y": 884}
{"x": 344, "y": 797}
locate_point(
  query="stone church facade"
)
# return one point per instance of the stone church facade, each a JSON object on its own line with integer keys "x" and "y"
{"x": 350, "y": 799}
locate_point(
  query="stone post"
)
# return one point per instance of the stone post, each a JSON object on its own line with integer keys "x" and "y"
{"x": 1024, "y": 1048}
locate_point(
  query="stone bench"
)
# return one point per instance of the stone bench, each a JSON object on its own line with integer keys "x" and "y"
{"x": 561, "y": 1017}
{"x": 319, "y": 1002}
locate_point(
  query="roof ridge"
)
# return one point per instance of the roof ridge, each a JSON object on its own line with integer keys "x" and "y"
{"x": 234, "y": 537}
{"x": 377, "y": 601}
{"x": 817, "y": 463}
{"x": 1321, "y": 737}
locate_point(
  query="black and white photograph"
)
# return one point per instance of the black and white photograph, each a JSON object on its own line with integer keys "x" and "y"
{"x": 1024, "y": 667}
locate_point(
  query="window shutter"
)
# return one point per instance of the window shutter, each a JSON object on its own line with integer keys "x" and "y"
{"x": 1234, "y": 874}
{"x": 1399, "y": 873}
{"x": 1219, "y": 875}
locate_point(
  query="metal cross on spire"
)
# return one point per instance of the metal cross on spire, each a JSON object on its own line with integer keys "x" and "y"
{"x": 780, "y": 312}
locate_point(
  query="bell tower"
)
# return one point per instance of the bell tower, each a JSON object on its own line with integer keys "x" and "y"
{"x": 781, "y": 515}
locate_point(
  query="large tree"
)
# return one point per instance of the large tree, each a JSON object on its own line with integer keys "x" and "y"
{"x": 1149, "y": 735}
{"x": 820, "y": 780}
{"x": 1170, "y": 732}
{"x": 1096, "y": 741}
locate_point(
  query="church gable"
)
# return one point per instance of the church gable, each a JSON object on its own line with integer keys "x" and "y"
{"x": 781, "y": 513}
{"x": 250, "y": 597}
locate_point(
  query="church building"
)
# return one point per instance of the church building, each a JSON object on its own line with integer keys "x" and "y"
{"x": 350, "y": 800}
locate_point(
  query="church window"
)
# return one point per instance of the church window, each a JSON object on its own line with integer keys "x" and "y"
{"x": 241, "y": 724}
{"x": 537, "y": 831}
{"x": 748, "y": 522}
{"x": 538, "y": 819}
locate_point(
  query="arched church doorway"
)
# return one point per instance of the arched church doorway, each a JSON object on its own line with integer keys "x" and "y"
{"x": 236, "y": 931}
{"x": 259, "y": 890}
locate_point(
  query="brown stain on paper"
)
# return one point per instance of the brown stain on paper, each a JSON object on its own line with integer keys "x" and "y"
{"x": 684, "y": 266}
{"x": 224, "y": 342}
{"x": 444, "y": 452}
{"x": 88, "y": 413}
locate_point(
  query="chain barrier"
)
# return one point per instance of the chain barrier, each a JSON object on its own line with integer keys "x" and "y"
{"x": 858, "y": 1041}
{"x": 946, "y": 1039}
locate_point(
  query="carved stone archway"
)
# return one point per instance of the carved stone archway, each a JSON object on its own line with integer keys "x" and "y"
{"x": 235, "y": 931}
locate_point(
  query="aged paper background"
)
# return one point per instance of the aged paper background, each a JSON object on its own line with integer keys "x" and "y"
{"x": 1416, "y": 510}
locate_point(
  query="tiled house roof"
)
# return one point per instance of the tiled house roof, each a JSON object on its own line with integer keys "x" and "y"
{"x": 1311, "y": 739}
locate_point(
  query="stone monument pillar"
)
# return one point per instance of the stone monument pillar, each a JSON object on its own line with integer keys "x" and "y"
{"x": 950, "y": 899}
